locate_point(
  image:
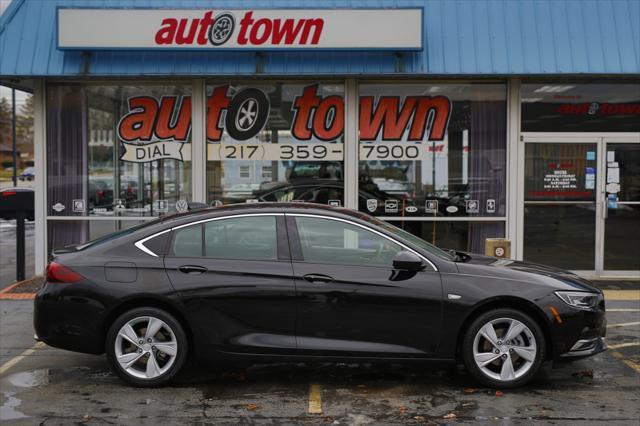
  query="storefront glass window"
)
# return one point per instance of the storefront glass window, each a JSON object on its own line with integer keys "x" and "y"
{"x": 275, "y": 142}
{"x": 432, "y": 150}
{"x": 454, "y": 235}
{"x": 567, "y": 107}
{"x": 118, "y": 150}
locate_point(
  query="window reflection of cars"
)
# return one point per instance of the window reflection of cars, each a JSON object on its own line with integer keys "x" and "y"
{"x": 100, "y": 194}
{"x": 27, "y": 174}
{"x": 321, "y": 191}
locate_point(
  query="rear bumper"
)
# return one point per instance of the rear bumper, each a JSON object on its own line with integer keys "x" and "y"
{"x": 67, "y": 321}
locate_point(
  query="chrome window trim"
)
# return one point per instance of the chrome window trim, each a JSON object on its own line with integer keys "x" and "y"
{"x": 140, "y": 243}
{"x": 368, "y": 229}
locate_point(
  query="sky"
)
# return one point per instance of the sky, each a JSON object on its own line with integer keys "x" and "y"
{"x": 4, "y": 91}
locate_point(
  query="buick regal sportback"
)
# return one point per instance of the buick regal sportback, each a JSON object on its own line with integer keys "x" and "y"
{"x": 274, "y": 281}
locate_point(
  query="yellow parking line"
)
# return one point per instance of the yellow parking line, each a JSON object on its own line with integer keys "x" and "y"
{"x": 623, "y": 345}
{"x": 621, "y": 294}
{"x": 315, "y": 400}
{"x": 626, "y": 361}
{"x": 13, "y": 361}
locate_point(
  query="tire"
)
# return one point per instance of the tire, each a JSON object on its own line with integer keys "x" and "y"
{"x": 524, "y": 351}
{"x": 131, "y": 361}
{"x": 240, "y": 126}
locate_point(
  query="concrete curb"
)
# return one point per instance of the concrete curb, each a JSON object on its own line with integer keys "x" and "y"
{"x": 5, "y": 295}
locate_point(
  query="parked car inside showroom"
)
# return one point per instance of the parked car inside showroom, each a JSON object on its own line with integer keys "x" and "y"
{"x": 299, "y": 281}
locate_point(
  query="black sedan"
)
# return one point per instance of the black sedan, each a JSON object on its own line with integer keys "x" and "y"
{"x": 262, "y": 282}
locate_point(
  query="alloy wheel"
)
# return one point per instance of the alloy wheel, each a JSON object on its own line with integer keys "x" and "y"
{"x": 504, "y": 349}
{"x": 146, "y": 347}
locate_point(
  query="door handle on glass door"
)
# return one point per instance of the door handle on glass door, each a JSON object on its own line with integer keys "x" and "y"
{"x": 192, "y": 269}
{"x": 321, "y": 278}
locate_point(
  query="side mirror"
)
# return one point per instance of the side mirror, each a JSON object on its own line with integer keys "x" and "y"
{"x": 407, "y": 261}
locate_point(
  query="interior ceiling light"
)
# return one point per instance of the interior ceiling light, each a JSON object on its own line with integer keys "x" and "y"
{"x": 553, "y": 89}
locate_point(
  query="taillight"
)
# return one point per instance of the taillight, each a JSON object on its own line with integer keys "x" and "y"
{"x": 58, "y": 273}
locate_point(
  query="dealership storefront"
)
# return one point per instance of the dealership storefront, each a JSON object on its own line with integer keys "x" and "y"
{"x": 442, "y": 124}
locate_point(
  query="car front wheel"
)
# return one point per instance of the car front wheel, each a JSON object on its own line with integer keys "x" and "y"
{"x": 146, "y": 347}
{"x": 503, "y": 348}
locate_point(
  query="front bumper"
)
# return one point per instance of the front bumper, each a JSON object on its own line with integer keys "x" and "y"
{"x": 584, "y": 348}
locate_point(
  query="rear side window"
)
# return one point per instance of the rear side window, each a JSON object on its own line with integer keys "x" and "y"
{"x": 187, "y": 242}
{"x": 250, "y": 238}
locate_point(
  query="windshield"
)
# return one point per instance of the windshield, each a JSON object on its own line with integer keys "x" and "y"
{"x": 416, "y": 241}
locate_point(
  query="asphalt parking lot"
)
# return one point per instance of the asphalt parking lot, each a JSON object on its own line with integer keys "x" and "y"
{"x": 42, "y": 385}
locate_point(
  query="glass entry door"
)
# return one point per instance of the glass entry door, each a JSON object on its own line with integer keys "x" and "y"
{"x": 560, "y": 213}
{"x": 621, "y": 207}
{"x": 582, "y": 204}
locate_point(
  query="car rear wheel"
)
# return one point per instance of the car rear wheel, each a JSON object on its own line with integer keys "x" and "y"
{"x": 146, "y": 347}
{"x": 503, "y": 348}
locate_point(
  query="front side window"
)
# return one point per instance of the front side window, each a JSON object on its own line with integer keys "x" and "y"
{"x": 247, "y": 238}
{"x": 330, "y": 241}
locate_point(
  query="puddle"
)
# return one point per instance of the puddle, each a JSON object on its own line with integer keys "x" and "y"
{"x": 8, "y": 408}
{"x": 27, "y": 379}
{"x": 30, "y": 379}
{"x": 15, "y": 383}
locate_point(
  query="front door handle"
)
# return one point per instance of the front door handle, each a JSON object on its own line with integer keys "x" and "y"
{"x": 192, "y": 269}
{"x": 319, "y": 278}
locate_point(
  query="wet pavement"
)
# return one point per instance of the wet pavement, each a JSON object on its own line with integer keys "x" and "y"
{"x": 8, "y": 231}
{"x": 51, "y": 386}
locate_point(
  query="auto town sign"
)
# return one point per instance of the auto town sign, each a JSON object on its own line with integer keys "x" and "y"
{"x": 159, "y": 128}
{"x": 274, "y": 29}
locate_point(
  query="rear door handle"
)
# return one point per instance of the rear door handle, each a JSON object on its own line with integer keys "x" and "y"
{"x": 320, "y": 278}
{"x": 192, "y": 269}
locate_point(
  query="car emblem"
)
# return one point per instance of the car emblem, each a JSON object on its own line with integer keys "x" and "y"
{"x": 58, "y": 207}
{"x": 431, "y": 206}
{"x": 334, "y": 203}
{"x": 391, "y": 206}
{"x": 161, "y": 206}
{"x": 78, "y": 206}
{"x": 182, "y": 206}
{"x": 452, "y": 209}
{"x": 372, "y": 204}
{"x": 411, "y": 209}
{"x": 491, "y": 206}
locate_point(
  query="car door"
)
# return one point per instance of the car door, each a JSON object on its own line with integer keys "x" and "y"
{"x": 235, "y": 278}
{"x": 351, "y": 301}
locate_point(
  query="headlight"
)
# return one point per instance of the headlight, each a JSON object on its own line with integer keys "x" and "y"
{"x": 579, "y": 299}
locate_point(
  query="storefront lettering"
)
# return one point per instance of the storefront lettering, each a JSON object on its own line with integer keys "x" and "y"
{"x": 257, "y": 32}
{"x": 600, "y": 108}
{"x": 327, "y": 114}
{"x": 151, "y": 119}
{"x": 246, "y": 114}
{"x": 419, "y": 113}
{"x": 151, "y": 152}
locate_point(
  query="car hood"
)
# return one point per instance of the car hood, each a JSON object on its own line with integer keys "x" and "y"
{"x": 555, "y": 278}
